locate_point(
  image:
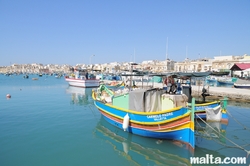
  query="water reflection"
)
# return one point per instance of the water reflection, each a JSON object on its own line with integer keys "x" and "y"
{"x": 239, "y": 103}
{"x": 147, "y": 151}
{"x": 211, "y": 130}
{"x": 80, "y": 96}
{"x": 141, "y": 150}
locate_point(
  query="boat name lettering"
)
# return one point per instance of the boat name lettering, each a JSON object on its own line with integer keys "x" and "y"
{"x": 202, "y": 107}
{"x": 160, "y": 115}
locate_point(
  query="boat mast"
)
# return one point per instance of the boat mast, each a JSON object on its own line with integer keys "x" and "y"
{"x": 167, "y": 49}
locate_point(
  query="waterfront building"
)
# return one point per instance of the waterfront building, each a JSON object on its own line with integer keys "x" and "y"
{"x": 218, "y": 63}
{"x": 188, "y": 65}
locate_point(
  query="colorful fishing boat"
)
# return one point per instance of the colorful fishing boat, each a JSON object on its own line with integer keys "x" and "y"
{"x": 212, "y": 111}
{"x": 115, "y": 85}
{"x": 147, "y": 113}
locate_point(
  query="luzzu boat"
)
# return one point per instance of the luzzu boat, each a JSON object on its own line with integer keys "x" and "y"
{"x": 115, "y": 85}
{"x": 147, "y": 113}
{"x": 212, "y": 111}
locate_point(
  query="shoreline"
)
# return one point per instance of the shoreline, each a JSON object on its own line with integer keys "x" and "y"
{"x": 219, "y": 93}
{"x": 216, "y": 93}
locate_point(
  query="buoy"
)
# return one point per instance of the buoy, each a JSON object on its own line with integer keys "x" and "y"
{"x": 125, "y": 122}
{"x": 8, "y": 96}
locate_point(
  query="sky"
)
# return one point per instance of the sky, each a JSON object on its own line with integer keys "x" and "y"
{"x": 104, "y": 31}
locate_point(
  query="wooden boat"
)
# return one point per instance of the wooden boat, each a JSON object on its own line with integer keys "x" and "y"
{"x": 136, "y": 148}
{"x": 211, "y": 80}
{"x": 226, "y": 81}
{"x": 81, "y": 78}
{"x": 115, "y": 85}
{"x": 147, "y": 113}
{"x": 202, "y": 111}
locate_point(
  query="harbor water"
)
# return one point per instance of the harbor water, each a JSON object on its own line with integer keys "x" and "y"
{"x": 48, "y": 123}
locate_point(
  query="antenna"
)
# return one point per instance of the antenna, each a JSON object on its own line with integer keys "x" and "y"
{"x": 167, "y": 49}
{"x": 134, "y": 54}
{"x": 186, "y": 51}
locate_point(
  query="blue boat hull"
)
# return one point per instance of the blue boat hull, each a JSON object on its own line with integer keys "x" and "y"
{"x": 184, "y": 135}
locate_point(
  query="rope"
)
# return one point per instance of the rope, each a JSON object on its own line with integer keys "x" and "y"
{"x": 245, "y": 128}
{"x": 242, "y": 114}
{"x": 215, "y": 139}
{"x": 93, "y": 113}
{"x": 240, "y": 147}
{"x": 207, "y": 135}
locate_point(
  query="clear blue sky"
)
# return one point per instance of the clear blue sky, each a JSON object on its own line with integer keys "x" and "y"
{"x": 69, "y": 32}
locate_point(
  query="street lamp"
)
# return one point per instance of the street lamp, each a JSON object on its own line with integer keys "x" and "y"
{"x": 90, "y": 59}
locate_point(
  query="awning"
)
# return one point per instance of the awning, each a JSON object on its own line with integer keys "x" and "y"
{"x": 240, "y": 66}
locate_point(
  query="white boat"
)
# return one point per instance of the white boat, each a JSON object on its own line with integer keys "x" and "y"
{"x": 244, "y": 84}
{"x": 83, "y": 81}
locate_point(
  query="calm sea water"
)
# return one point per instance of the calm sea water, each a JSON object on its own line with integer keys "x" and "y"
{"x": 48, "y": 123}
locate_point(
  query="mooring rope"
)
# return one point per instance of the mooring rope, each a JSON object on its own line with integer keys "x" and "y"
{"x": 246, "y": 128}
{"x": 215, "y": 139}
{"x": 240, "y": 147}
{"x": 93, "y": 112}
{"x": 242, "y": 114}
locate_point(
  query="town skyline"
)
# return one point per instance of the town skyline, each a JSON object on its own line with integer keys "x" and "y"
{"x": 90, "y": 62}
{"x": 219, "y": 63}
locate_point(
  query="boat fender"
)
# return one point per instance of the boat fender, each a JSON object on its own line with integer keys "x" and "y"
{"x": 125, "y": 122}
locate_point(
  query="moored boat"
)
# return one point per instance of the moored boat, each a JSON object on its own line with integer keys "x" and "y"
{"x": 26, "y": 76}
{"x": 212, "y": 111}
{"x": 115, "y": 85}
{"x": 81, "y": 78}
{"x": 147, "y": 113}
{"x": 226, "y": 81}
{"x": 244, "y": 84}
